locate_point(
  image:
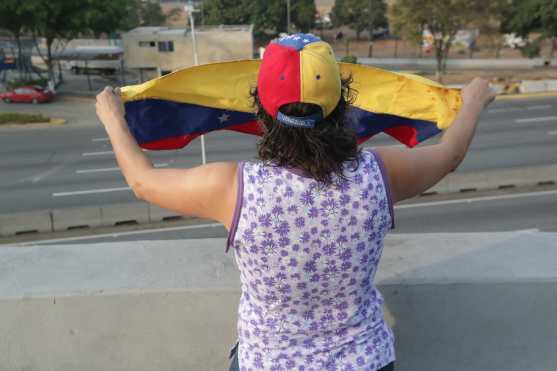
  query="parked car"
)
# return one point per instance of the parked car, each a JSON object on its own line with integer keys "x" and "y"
{"x": 28, "y": 94}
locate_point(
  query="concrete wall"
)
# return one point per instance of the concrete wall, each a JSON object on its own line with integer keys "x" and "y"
{"x": 456, "y": 302}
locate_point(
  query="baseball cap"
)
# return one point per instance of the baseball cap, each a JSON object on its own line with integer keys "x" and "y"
{"x": 299, "y": 68}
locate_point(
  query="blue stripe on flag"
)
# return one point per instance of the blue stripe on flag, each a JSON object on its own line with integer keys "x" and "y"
{"x": 156, "y": 119}
{"x": 368, "y": 123}
{"x": 152, "y": 120}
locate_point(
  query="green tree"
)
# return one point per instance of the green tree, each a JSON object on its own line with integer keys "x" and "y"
{"x": 265, "y": 15}
{"x": 227, "y": 11}
{"x": 302, "y": 14}
{"x": 442, "y": 18}
{"x": 15, "y": 16}
{"x": 105, "y": 16}
{"x": 356, "y": 14}
{"x": 491, "y": 26}
{"x": 151, "y": 14}
{"x": 140, "y": 13}
{"x": 525, "y": 16}
{"x": 60, "y": 20}
{"x": 339, "y": 14}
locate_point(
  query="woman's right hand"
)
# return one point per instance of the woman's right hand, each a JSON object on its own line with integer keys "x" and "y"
{"x": 478, "y": 93}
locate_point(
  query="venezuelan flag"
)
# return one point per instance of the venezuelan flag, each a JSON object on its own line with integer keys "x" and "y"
{"x": 170, "y": 111}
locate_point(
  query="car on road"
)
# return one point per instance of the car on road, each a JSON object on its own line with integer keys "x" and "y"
{"x": 28, "y": 94}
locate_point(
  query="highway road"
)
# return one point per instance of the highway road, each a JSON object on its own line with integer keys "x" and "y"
{"x": 73, "y": 165}
{"x": 494, "y": 211}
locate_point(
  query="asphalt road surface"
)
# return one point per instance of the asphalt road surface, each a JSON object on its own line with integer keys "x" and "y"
{"x": 533, "y": 208}
{"x": 73, "y": 165}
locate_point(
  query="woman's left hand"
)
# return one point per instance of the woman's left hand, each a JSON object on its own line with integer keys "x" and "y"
{"x": 110, "y": 109}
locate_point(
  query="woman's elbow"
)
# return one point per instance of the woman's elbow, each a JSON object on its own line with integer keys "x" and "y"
{"x": 138, "y": 189}
{"x": 455, "y": 161}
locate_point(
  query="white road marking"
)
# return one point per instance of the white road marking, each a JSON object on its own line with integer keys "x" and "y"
{"x": 477, "y": 199}
{"x": 115, "y": 235}
{"x": 46, "y": 173}
{"x": 545, "y": 106}
{"x": 90, "y": 191}
{"x": 536, "y": 119}
{"x": 553, "y": 132}
{"x": 100, "y": 140}
{"x": 97, "y": 153}
{"x": 87, "y": 171}
{"x": 509, "y": 109}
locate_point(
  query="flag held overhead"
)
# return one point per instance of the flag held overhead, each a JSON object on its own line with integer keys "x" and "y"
{"x": 170, "y": 111}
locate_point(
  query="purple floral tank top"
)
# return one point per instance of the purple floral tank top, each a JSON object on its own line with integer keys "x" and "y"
{"x": 307, "y": 256}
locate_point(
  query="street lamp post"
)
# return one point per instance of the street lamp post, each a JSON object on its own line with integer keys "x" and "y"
{"x": 288, "y": 16}
{"x": 191, "y": 9}
{"x": 370, "y": 13}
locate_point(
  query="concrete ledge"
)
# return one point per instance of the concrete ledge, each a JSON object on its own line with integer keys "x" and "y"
{"x": 26, "y": 222}
{"x": 137, "y": 331}
{"x": 128, "y": 213}
{"x": 157, "y": 214}
{"x": 73, "y": 218}
{"x": 455, "y": 301}
{"x": 485, "y": 180}
{"x": 139, "y": 212}
{"x": 83, "y": 217}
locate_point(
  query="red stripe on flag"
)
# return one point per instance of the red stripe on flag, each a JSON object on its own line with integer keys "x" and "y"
{"x": 405, "y": 134}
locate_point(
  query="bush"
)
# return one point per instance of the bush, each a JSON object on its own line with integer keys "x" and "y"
{"x": 349, "y": 59}
{"x": 21, "y": 118}
{"x": 14, "y": 84}
{"x": 531, "y": 49}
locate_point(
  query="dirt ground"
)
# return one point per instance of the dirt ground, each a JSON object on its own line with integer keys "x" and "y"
{"x": 393, "y": 48}
{"x": 508, "y": 77}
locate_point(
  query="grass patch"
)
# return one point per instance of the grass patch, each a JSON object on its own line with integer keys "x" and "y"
{"x": 14, "y": 84}
{"x": 22, "y": 118}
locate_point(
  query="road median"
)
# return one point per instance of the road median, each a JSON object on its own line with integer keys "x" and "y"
{"x": 60, "y": 220}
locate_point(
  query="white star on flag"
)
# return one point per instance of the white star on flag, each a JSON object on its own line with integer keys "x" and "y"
{"x": 224, "y": 117}
{"x": 306, "y": 41}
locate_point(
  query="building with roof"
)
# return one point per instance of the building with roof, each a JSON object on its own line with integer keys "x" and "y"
{"x": 154, "y": 50}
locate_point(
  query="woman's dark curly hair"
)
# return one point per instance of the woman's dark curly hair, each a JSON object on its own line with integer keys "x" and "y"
{"x": 320, "y": 151}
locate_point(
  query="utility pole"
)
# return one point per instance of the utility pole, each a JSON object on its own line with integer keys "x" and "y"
{"x": 191, "y": 9}
{"x": 288, "y": 16}
{"x": 370, "y": 50}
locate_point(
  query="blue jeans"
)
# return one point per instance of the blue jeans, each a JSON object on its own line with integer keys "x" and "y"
{"x": 234, "y": 366}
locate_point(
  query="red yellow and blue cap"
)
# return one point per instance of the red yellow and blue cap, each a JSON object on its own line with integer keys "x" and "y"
{"x": 299, "y": 68}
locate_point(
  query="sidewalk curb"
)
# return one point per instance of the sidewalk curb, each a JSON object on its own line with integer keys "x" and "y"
{"x": 78, "y": 97}
{"x": 59, "y": 220}
{"x": 54, "y": 122}
{"x": 526, "y": 95}
{"x": 141, "y": 213}
{"x": 499, "y": 179}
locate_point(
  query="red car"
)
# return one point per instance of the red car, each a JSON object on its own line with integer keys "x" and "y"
{"x": 28, "y": 94}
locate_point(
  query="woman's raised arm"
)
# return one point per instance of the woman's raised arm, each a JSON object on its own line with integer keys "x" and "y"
{"x": 413, "y": 171}
{"x": 207, "y": 191}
